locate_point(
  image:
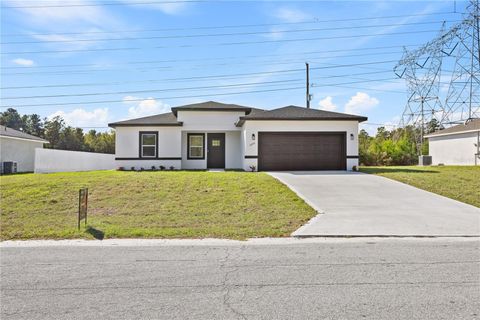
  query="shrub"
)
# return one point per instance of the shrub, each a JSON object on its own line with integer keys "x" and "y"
{"x": 162, "y": 168}
{"x": 172, "y": 168}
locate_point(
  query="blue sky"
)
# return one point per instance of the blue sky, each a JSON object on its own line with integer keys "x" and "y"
{"x": 94, "y": 59}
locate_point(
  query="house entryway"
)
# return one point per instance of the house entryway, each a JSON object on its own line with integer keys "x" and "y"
{"x": 216, "y": 150}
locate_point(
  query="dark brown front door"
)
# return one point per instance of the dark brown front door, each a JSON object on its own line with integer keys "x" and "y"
{"x": 302, "y": 151}
{"x": 216, "y": 150}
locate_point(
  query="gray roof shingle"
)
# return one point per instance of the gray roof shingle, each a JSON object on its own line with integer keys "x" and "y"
{"x": 164, "y": 119}
{"x": 9, "y": 132}
{"x": 472, "y": 125}
{"x": 285, "y": 113}
{"x": 299, "y": 113}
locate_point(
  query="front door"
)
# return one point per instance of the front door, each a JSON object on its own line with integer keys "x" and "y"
{"x": 216, "y": 150}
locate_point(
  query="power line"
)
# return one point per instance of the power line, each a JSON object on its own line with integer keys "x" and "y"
{"x": 232, "y": 57}
{"x": 153, "y": 90}
{"x": 156, "y": 98}
{"x": 170, "y": 79}
{"x": 104, "y": 4}
{"x": 221, "y": 43}
{"x": 279, "y": 71}
{"x": 198, "y": 66}
{"x": 313, "y": 21}
{"x": 221, "y": 34}
{"x": 164, "y": 98}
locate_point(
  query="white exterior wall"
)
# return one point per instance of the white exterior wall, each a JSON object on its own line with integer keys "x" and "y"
{"x": 210, "y": 122}
{"x": 233, "y": 156}
{"x": 256, "y": 126}
{"x": 21, "y": 151}
{"x": 238, "y": 142}
{"x": 51, "y": 160}
{"x": 127, "y": 146}
{"x": 454, "y": 149}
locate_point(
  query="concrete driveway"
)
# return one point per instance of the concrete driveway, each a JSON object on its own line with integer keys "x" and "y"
{"x": 358, "y": 204}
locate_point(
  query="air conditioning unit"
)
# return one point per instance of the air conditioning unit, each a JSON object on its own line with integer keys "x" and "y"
{"x": 425, "y": 160}
{"x": 9, "y": 167}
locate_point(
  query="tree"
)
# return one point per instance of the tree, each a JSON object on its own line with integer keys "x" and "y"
{"x": 103, "y": 142}
{"x": 58, "y": 134}
{"x": 34, "y": 125}
{"x": 12, "y": 119}
{"x": 71, "y": 139}
{"x": 53, "y": 131}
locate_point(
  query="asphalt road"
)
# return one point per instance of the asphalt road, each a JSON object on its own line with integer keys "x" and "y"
{"x": 348, "y": 279}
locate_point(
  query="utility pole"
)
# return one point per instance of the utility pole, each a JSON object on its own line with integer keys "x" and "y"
{"x": 308, "y": 85}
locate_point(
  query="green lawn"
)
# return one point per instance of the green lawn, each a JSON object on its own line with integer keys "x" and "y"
{"x": 124, "y": 204}
{"x": 461, "y": 183}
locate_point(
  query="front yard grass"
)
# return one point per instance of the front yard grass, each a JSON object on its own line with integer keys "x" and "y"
{"x": 125, "y": 204}
{"x": 461, "y": 183}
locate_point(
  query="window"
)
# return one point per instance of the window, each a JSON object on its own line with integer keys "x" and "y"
{"x": 196, "y": 144}
{"x": 216, "y": 143}
{"x": 148, "y": 144}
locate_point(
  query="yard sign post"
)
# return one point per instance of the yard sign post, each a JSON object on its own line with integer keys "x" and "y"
{"x": 82, "y": 205}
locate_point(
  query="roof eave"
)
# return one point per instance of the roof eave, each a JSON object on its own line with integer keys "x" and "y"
{"x": 114, "y": 125}
{"x": 440, "y": 134}
{"x": 243, "y": 119}
{"x": 24, "y": 138}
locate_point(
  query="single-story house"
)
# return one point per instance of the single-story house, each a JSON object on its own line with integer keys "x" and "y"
{"x": 457, "y": 145}
{"x": 217, "y": 135}
{"x": 17, "y": 146}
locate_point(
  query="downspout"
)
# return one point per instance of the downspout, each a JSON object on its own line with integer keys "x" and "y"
{"x": 477, "y": 155}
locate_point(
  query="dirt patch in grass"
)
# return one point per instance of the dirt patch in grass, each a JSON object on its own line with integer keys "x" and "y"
{"x": 182, "y": 204}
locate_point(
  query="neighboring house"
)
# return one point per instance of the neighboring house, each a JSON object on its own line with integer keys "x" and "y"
{"x": 457, "y": 145}
{"x": 19, "y": 147}
{"x": 216, "y": 135}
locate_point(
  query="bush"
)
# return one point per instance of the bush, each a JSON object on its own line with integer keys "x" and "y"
{"x": 397, "y": 147}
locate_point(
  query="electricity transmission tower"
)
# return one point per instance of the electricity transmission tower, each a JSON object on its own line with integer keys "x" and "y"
{"x": 456, "y": 52}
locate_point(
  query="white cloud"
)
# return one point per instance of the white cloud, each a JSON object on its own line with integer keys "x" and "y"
{"x": 144, "y": 107}
{"x": 23, "y": 62}
{"x": 173, "y": 7}
{"x": 327, "y": 104}
{"x": 83, "y": 118}
{"x": 49, "y": 15}
{"x": 291, "y": 15}
{"x": 68, "y": 42}
{"x": 274, "y": 34}
{"x": 360, "y": 103}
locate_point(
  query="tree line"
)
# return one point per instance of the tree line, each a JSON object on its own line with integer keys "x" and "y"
{"x": 58, "y": 133}
{"x": 399, "y": 146}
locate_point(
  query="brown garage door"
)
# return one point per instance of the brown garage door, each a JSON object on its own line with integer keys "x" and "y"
{"x": 301, "y": 151}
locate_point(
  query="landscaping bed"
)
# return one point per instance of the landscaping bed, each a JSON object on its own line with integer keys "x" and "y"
{"x": 166, "y": 204}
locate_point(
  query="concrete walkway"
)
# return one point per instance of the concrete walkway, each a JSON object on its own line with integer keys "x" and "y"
{"x": 357, "y": 204}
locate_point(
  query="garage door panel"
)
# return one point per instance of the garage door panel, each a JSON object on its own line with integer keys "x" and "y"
{"x": 302, "y": 151}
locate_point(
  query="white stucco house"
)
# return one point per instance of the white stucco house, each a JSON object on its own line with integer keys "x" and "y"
{"x": 457, "y": 145}
{"x": 17, "y": 146}
{"x": 228, "y": 136}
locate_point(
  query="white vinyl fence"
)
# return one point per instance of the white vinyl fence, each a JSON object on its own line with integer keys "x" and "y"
{"x": 50, "y": 160}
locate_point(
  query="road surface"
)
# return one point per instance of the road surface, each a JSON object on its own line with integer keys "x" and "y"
{"x": 302, "y": 279}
